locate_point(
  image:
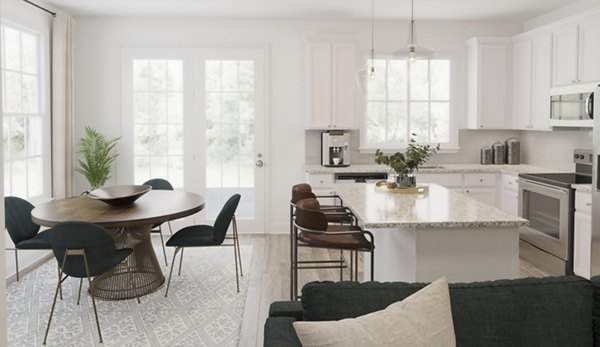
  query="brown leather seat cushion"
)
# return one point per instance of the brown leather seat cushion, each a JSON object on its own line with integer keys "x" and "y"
{"x": 344, "y": 241}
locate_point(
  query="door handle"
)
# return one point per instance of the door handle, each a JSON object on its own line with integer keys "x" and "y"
{"x": 259, "y": 163}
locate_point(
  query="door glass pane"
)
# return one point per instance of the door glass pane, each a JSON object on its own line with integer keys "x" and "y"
{"x": 230, "y": 142}
{"x": 157, "y": 120}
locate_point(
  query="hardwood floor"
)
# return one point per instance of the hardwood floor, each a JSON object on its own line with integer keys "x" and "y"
{"x": 269, "y": 279}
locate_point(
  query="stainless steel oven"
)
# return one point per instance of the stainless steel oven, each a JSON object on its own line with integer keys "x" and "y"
{"x": 547, "y": 201}
{"x": 549, "y": 211}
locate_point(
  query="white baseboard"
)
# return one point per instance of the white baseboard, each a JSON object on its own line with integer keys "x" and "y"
{"x": 27, "y": 269}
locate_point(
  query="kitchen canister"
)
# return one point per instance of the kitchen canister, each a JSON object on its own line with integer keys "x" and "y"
{"x": 486, "y": 155}
{"x": 513, "y": 151}
{"x": 498, "y": 153}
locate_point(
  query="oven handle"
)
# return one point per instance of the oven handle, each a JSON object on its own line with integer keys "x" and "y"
{"x": 559, "y": 190}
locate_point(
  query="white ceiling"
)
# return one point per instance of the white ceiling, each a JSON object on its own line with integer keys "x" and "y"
{"x": 465, "y": 10}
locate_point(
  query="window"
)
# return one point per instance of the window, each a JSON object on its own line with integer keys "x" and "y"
{"x": 25, "y": 115}
{"x": 408, "y": 98}
{"x": 158, "y": 120}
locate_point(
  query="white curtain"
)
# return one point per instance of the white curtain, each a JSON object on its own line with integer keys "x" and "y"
{"x": 63, "y": 108}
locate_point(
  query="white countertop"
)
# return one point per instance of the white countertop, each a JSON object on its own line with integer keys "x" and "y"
{"x": 439, "y": 208}
{"x": 441, "y": 168}
{"x": 586, "y": 188}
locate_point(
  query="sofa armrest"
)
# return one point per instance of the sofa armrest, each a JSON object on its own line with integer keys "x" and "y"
{"x": 286, "y": 309}
{"x": 279, "y": 332}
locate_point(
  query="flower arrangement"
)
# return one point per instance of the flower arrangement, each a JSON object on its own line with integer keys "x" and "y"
{"x": 405, "y": 164}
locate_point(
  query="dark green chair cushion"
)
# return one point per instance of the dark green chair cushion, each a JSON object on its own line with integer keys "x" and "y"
{"x": 527, "y": 312}
{"x": 99, "y": 248}
{"x": 17, "y": 219}
{"x": 279, "y": 332}
{"x": 39, "y": 241}
{"x": 206, "y": 235}
{"x": 286, "y": 309}
{"x": 193, "y": 236}
{"x": 158, "y": 184}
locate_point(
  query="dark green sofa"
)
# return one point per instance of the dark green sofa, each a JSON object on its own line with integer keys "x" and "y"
{"x": 551, "y": 311}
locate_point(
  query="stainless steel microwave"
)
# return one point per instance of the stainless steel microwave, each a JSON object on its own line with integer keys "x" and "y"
{"x": 572, "y": 106}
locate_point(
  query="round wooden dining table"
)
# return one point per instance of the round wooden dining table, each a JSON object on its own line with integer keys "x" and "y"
{"x": 130, "y": 227}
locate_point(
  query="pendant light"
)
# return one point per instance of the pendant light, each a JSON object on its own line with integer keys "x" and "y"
{"x": 363, "y": 75}
{"x": 412, "y": 51}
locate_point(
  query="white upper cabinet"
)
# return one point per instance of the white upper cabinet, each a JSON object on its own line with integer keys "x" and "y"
{"x": 589, "y": 50}
{"x": 488, "y": 83}
{"x": 564, "y": 55}
{"x": 532, "y": 69}
{"x": 541, "y": 81}
{"x": 331, "y": 92}
{"x": 522, "y": 79}
{"x": 576, "y": 52}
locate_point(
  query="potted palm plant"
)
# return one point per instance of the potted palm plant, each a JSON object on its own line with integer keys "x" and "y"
{"x": 405, "y": 164}
{"x": 97, "y": 158}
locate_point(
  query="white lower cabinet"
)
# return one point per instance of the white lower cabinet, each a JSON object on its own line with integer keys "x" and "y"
{"x": 582, "y": 242}
{"x": 509, "y": 194}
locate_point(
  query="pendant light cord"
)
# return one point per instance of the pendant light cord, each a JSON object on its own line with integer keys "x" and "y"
{"x": 372, "y": 31}
{"x": 412, "y": 21}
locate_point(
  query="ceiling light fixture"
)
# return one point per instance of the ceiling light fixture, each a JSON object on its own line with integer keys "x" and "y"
{"x": 412, "y": 51}
{"x": 368, "y": 73}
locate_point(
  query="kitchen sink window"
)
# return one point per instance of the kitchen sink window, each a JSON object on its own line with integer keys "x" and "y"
{"x": 409, "y": 98}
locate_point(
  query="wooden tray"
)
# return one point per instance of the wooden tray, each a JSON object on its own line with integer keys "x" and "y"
{"x": 419, "y": 189}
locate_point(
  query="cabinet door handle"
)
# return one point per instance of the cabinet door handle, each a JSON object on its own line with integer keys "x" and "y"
{"x": 588, "y": 204}
{"x": 481, "y": 180}
{"x": 481, "y": 125}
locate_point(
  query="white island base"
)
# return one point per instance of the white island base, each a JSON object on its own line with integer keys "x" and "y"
{"x": 459, "y": 254}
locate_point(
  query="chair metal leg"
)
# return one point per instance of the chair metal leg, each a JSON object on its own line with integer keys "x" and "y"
{"x": 351, "y": 265}
{"x": 341, "y": 265}
{"x": 59, "y": 281}
{"x": 235, "y": 256}
{"x": 180, "y": 262}
{"x": 171, "y": 271}
{"x": 87, "y": 271}
{"x": 356, "y": 266}
{"x": 170, "y": 229}
{"x": 237, "y": 242}
{"x": 55, "y": 295}
{"x": 79, "y": 293}
{"x": 17, "y": 263}
{"x": 162, "y": 243}
{"x": 295, "y": 266}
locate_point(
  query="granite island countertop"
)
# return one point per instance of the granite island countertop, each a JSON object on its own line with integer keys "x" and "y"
{"x": 439, "y": 208}
{"x": 433, "y": 168}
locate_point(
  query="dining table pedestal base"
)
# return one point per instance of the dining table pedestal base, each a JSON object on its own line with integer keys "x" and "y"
{"x": 138, "y": 275}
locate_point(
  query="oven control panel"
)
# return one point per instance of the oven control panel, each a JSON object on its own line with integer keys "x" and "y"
{"x": 582, "y": 156}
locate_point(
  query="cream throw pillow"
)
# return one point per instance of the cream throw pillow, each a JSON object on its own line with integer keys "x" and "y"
{"x": 422, "y": 319}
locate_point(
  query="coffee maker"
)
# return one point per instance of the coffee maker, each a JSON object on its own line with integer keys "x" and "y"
{"x": 334, "y": 148}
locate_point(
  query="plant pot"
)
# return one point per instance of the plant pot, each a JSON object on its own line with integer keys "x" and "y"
{"x": 406, "y": 181}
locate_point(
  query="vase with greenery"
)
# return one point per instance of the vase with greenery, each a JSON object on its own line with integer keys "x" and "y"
{"x": 405, "y": 164}
{"x": 97, "y": 159}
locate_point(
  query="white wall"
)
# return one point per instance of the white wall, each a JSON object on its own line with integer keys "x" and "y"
{"x": 98, "y": 42}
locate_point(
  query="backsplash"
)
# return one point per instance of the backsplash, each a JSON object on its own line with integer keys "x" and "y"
{"x": 470, "y": 143}
{"x": 551, "y": 149}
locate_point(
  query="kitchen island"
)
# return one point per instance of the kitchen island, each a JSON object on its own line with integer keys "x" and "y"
{"x": 421, "y": 237}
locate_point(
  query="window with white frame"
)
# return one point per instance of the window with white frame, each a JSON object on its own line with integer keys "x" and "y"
{"x": 158, "y": 120}
{"x": 25, "y": 113}
{"x": 406, "y": 98}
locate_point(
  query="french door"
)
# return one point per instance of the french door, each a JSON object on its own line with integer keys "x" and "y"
{"x": 197, "y": 118}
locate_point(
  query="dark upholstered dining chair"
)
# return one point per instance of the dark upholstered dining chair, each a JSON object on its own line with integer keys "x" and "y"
{"x": 83, "y": 250}
{"x": 311, "y": 229}
{"x": 161, "y": 184}
{"x": 23, "y": 232}
{"x": 206, "y": 236}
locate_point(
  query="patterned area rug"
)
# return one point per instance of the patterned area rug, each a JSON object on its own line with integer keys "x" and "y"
{"x": 203, "y": 307}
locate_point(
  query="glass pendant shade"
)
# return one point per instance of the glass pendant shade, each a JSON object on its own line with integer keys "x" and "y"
{"x": 413, "y": 51}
